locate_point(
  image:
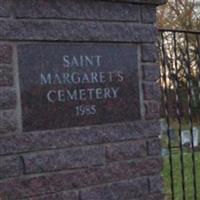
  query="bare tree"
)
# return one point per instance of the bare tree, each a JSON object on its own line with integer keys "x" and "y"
{"x": 179, "y": 14}
{"x": 185, "y": 65}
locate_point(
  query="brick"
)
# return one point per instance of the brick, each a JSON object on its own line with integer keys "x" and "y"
{"x": 154, "y": 2}
{"x": 6, "y": 76}
{"x": 154, "y": 147}
{"x": 5, "y": 53}
{"x": 10, "y": 166}
{"x": 152, "y": 91}
{"x": 149, "y": 53}
{"x": 156, "y": 184}
{"x": 18, "y": 188}
{"x": 156, "y": 196}
{"x": 151, "y": 72}
{"x": 21, "y": 187}
{"x": 120, "y": 190}
{"x": 8, "y": 121}
{"x": 148, "y": 14}
{"x": 76, "y": 31}
{"x": 64, "y": 159}
{"x": 159, "y": 196}
{"x": 35, "y": 141}
{"x": 133, "y": 168}
{"x": 126, "y": 151}
{"x": 92, "y": 10}
{"x": 69, "y": 195}
{"x": 7, "y": 98}
{"x": 152, "y": 110}
{"x": 5, "y": 8}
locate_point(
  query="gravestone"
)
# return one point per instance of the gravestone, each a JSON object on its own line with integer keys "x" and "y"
{"x": 79, "y": 102}
{"x": 195, "y": 136}
{"x": 172, "y": 134}
{"x": 163, "y": 126}
{"x": 164, "y": 152}
{"x": 187, "y": 138}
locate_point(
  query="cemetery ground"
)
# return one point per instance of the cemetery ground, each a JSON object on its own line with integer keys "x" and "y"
{"x": 178, "y": 176}
{"x": 187, "y": 156}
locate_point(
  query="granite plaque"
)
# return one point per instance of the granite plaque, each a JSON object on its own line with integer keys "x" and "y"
{"x": 77, "y": 84}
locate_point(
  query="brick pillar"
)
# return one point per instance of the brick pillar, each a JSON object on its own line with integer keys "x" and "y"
{"x": 99, "y": 158}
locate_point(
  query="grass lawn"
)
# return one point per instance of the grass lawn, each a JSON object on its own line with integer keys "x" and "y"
{"x": 178, "y": 177}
